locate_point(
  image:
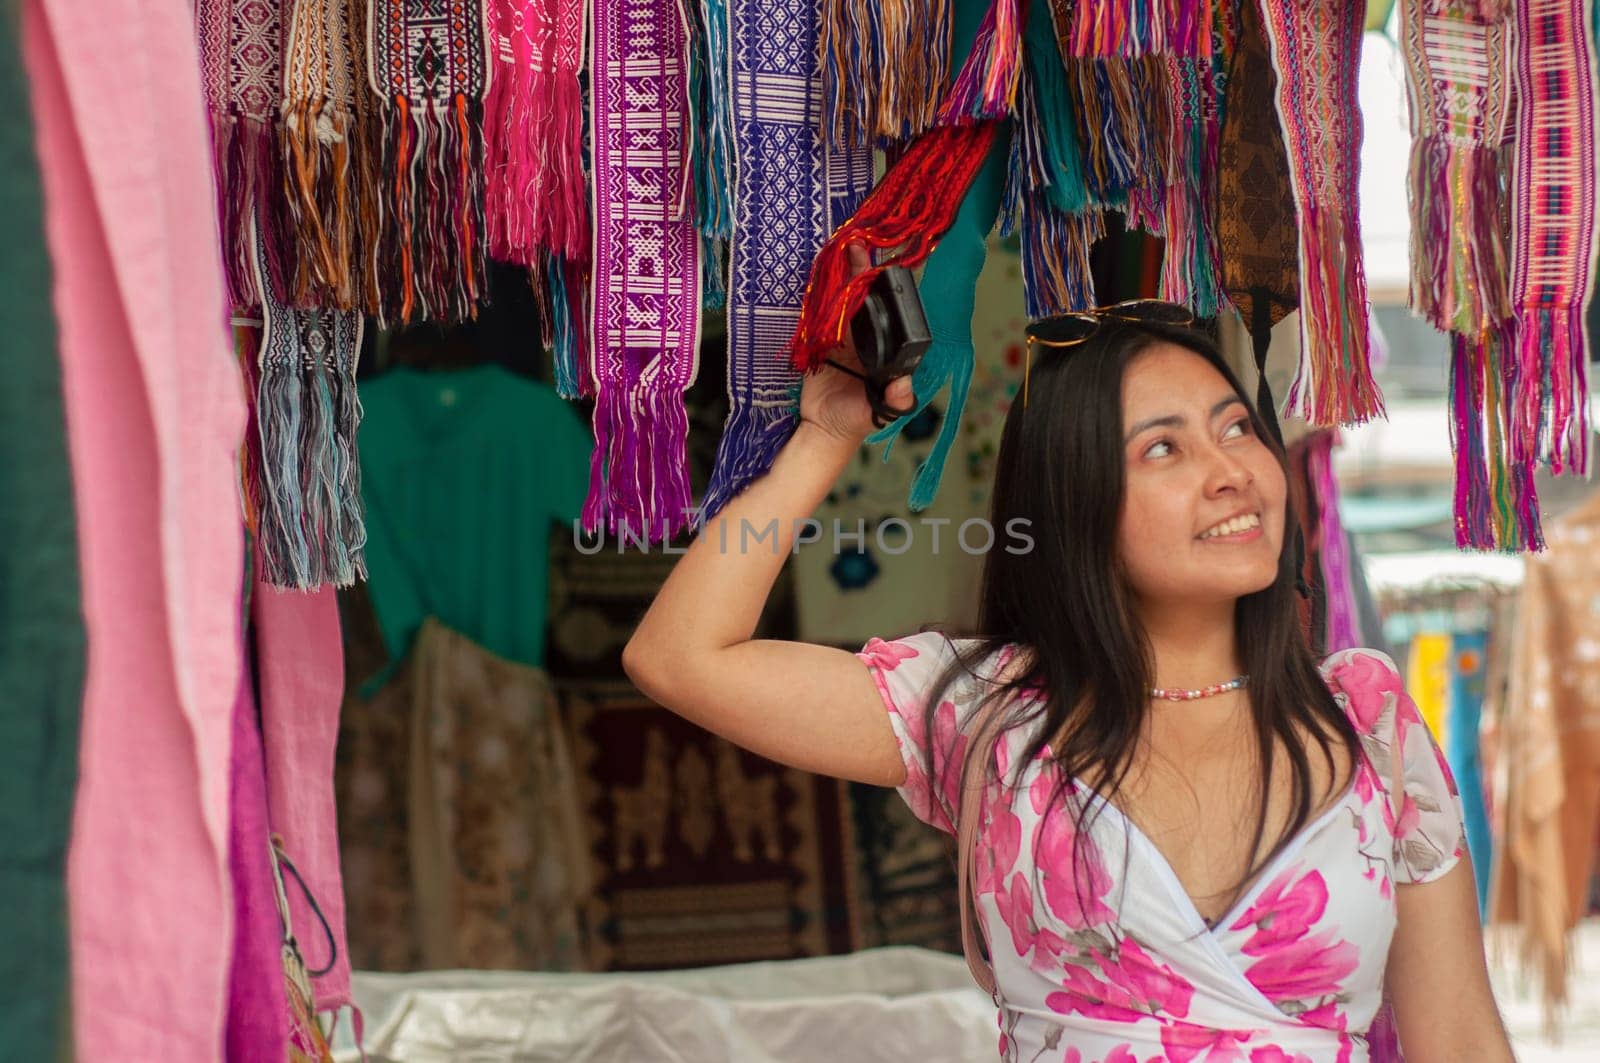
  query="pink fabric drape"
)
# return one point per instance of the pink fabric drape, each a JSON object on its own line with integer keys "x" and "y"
{"x": 301, "y": 660}
{"x": 155, "y": 415}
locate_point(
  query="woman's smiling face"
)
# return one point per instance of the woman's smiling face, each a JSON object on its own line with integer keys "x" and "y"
{"x": 1203, "y": 508}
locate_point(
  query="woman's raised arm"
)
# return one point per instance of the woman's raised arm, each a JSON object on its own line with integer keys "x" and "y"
{"x": 808, "y": 706}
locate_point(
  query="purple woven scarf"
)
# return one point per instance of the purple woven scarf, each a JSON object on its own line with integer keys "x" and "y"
{"x": 646, "y": 272}
{"x": 791, "y": 193}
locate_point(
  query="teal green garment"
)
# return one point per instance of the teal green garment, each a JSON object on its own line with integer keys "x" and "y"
{"x": 466, "y": 475}
{"x": 42, "y": 644}
{"x": 948, "y": 288}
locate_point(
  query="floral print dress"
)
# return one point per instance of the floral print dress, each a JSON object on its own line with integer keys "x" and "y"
{"x": 1117, "y": 965}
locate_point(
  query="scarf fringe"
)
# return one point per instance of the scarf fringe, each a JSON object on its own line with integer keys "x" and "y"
{"x": 325, "y": 196}
{"x": 711, "y": 117}
{"x": 1496, "y": 502}
{"x": 1124, "y": 125}
{"x": 1334, "y": 384}
{"x": 1189, "y": 266}
{"x": 1460, "y": 260}
{"x": 1055, "y": 244}
{"x": 908, "y": 212}
{"x": 640, "y": 431}
{"x": 1134, "y": 28}
{"x": 568, "y": 315}
{"x": 249, "y": 182}
{"x": 535, "y": 188}
{"x": 1475, "y": 528}
{"x": 750, "y": 443}
{"x": 885, "y": 64}
{"x": 433, "y": 258}
{"x": 1551, "y": 422}
{"x": 986, "y": 87}
{"x": 312, "y": 525}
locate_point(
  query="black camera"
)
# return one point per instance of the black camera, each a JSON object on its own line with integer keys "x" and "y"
{"x": 891, "y": 335}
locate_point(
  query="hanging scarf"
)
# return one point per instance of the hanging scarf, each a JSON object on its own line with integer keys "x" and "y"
{"x": 330, "y": 156}
{"x": 535, "y": 194}
{"x": 646, "y": 280}
{"x": 1047, "y": 202}
{"x": 884, "y": 68}
{"x": 711, "y": 103}
{"x": 428, "y": 62}
{"x": 949, "y": 295}
{"x": 1316, "y": 51}
{"x": 791, "y": 193}
{"x": 915, "y": 204}
{"x": 1259, "y": 260}
{"x": 311, "y": 521}
{"x": 241, "y": 61}
{"x": 1457, "y": 71}
{"x": 1458, "y": 68}
{"x": 1190, "y": 272}
{"x": 989, "y": 40}
{"x": 1554, "y": 229}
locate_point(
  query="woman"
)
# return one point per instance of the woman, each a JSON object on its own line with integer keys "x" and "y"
{"x": 1184, "y": 838}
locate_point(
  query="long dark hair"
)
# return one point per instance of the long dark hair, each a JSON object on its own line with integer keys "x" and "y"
{"x": 1067, "y": 605}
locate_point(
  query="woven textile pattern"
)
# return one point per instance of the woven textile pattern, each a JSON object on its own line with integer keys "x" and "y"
{"x": 312, "y": 525}
{"x": 428, "y": 50}
{"x": 646, "y": 279}
{"x": 1553, "y": 264}
{"x": 1259, "y": 260}
{"x": 241, "y": 61}
{"x": 1554, "y": 234}
{"x": 1457, "y": 69}
{"x": 428, "y": 62}
{"x": 791, "y": 194}
{"x": 1316, "y": 50}
{"x": 330, "y": 156}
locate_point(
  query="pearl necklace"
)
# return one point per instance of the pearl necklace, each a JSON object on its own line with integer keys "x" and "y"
{"x": 1176, "y": 694}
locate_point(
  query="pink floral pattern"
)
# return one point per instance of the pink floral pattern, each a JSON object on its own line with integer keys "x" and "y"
{"x": 1098, "y": 955}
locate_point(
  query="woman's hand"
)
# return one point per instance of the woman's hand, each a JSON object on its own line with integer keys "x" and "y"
{"x": 836, "y": 402}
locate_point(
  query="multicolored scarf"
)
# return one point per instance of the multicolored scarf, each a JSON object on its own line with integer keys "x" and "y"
{"x": 791, "y": 194}
{"x": 1316, "y": 51}
{"x": 428, "y": 62}
{"x": 916, "y": 202}
{"x": 311, "y": 523}
{"x": 1554, "y": 233}
{"x": 536, "y": 191}
{"x": 646, "y": 283}
{"x": 331, "y": 156}
{"x": 241, "y": 60}
{"x": 884, "y": 68}
{"x": 1132, "y": 28}
{"x": 1458, "y": 68}
{"x": 1047, "y": 201}
{"x": 1190, "y": 272}
{"x": 989, "y": 40}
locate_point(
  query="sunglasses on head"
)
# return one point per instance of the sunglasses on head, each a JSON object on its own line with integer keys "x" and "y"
{"x": 1065, "y": 331}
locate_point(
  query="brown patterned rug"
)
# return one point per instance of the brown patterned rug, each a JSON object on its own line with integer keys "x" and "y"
{"x": 701, "y": 853}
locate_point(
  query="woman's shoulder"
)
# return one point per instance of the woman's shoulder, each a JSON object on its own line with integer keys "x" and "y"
{"x": 1365, "y": 683}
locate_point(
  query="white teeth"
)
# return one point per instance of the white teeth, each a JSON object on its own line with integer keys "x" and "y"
{"x": 1234, "y": 526}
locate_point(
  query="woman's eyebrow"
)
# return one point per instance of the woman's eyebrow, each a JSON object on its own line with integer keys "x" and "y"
{"x": 1176, "y": 420}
